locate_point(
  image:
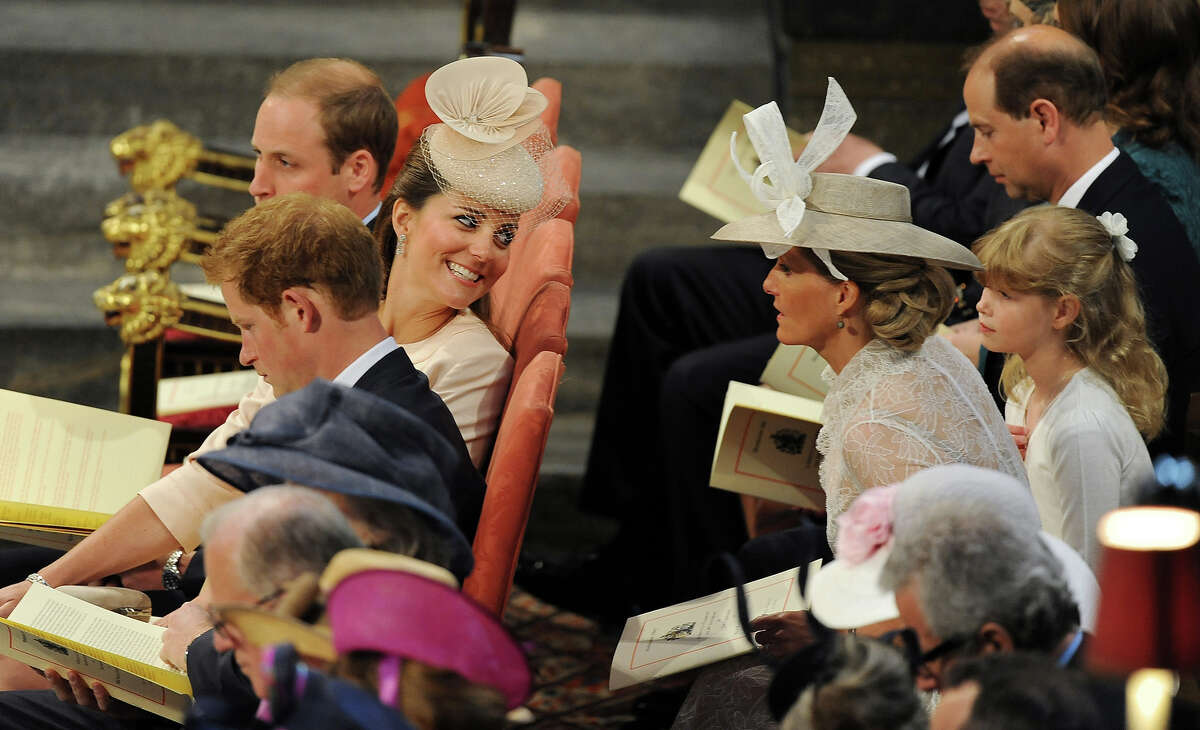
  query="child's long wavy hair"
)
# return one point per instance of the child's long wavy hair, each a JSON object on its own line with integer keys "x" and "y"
{"x": 1055, "y": 252}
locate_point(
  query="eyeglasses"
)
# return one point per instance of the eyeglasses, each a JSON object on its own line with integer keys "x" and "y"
{"x": 906, "y": 641}
{"x": 221, "y": 626}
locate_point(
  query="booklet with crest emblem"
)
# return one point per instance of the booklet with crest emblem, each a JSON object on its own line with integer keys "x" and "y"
{"x": 701, "y": 631}
{"x": 66, "y": 468}
{"x": 766, "y": 446}
{"x": 52, "y": 630}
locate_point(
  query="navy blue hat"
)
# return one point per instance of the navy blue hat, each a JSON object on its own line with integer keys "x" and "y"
{"x": 349, "y": 441}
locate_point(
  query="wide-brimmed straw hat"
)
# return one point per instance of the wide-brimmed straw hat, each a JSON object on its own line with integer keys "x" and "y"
{"x": 492, "y": 146}
{"x": 824, "y": 211}
{"x": 395, "y": 605}
{"x": 349, "y": 441}
{"x": 856, "y": 214}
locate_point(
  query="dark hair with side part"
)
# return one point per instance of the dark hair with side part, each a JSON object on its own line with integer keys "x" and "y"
{"x": 298, "y": 240}
{"x": 355, "y": 110}
{"x": 1069, "y": 76}
{"x": 415, "y": 185}
{"x": 1150, "y": 53}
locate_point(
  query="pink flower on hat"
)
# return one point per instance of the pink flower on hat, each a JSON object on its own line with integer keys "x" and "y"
{"x": 867, "y": 525}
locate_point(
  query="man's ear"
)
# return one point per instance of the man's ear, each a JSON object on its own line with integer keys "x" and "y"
{"x": 1046, "y": 114}
{"x": 360, "y": 170}
{"x": 993, "y": 637}
{"x": 1066, "y": 311}
{"x": 300, "y": 305}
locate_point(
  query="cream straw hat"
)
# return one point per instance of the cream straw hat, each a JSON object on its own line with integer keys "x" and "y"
{"x": 827, "y": 212}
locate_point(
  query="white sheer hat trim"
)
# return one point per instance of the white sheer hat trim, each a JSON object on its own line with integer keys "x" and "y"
{"x": 825, "y": 211}
{"x": 492, "y": 147}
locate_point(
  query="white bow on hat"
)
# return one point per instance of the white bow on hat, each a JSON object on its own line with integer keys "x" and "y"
{"x": 778, "y": 182}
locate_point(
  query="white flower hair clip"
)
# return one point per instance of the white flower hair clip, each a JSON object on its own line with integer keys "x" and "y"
{"x": 1117, "y": 227}
{"x": 781, "y": 184}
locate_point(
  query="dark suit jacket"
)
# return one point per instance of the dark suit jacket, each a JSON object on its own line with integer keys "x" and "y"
{"x": 394, "y": 378}
{"x": 1168, "y": 274}
{"x": 952, "y": 198}
{"x": 223, "y": 694}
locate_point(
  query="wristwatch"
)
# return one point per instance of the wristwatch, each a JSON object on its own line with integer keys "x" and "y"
{"x": 172, "y": 579}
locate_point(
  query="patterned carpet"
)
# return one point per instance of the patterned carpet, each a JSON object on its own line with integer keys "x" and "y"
{"x": 570, "y": 657}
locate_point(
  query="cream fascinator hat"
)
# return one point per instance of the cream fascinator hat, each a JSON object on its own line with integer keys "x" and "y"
{"x": 492, "y": 146}
{"x": 828, "y": 212}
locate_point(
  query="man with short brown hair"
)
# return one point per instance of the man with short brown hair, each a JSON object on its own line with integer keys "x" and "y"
{"x": 317, "y": 322}
{"x": 327, "y": 127}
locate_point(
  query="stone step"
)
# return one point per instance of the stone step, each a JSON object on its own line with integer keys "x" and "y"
{"x": 654, "y": 106}
{"x": 898, "y": 93}
{"x": 553, "y": 33}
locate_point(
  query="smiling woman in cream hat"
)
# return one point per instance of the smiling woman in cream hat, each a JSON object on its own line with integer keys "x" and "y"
{"x": 859, "y": 283}
{"x": 473, "y": 186}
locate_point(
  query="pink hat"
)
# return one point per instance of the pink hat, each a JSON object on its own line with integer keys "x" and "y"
{"x": 412, "y": 616}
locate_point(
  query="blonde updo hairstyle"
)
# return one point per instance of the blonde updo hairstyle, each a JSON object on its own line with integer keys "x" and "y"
{"x": 1054, "y": 251}
{"x": 903, "y": 298}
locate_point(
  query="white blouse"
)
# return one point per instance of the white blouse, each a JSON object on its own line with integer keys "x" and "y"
{"x": 889, "y": 414}
{"x": 1084, "y": 457}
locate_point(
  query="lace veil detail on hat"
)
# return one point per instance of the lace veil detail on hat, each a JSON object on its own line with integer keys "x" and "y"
{"x": 492, "y": 149}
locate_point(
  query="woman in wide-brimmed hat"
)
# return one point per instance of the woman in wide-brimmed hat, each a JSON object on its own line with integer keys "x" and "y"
{"x": 859, "y": 283}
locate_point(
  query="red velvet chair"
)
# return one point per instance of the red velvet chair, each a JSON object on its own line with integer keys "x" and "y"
{"x": 545, "y": 256}
{"x": 512, "y": 479}
{"x": 542, "y": 329}
{"x": 570, "y": 162}
{"x": 552, "y": 90}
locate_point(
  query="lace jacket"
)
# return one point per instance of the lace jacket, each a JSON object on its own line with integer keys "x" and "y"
{"x": 890, "y": 414}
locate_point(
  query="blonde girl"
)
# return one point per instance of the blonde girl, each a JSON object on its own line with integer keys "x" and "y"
{"x": 1085, "y": 389}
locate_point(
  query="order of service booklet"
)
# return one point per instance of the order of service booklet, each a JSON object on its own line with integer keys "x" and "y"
{"x": 767, "y": 443}
{"x": 796, "y": 369}
{"x": 714, "y": 185}
{"x": 198, "y": 392}
{"x": 52, "y": 630}
{"x": 702, "y": 631}
{"x": 66, "y": 468}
